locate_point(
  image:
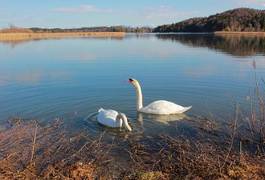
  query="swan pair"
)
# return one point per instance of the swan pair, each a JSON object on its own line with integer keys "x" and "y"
{"x": 114, "y": 119}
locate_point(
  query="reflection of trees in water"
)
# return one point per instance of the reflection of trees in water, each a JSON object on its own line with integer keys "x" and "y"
{"x": 14, "y": 43}
{"x": 237, "y": 45}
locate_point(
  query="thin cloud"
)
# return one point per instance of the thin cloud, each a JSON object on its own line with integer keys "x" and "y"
{"x": 258, "y": 2}
{"x": 252, "y": 2}
{"x": 85, "y": 8}
{"x": 166, "y": 12}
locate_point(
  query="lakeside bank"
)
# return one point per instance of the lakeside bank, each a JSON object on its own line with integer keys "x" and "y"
{"x": 49, "y": 35}
{"x": 239, "y": 33}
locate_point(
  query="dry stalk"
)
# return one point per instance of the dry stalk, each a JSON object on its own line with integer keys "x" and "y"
{"x": 232, "y": 136}
{"x": 34, "y": 142}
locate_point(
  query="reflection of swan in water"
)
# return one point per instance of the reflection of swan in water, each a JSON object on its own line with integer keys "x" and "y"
{"x": 163, "y": 119}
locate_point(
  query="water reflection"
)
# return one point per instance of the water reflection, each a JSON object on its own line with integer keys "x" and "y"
{"x": 71, "y": 78}
{"x": 32, "y": 77}
{"x": 236, "y": 45}
{"x": 148, "y": 124}
{"x": 164, "y": 119}
{"x": 15, "y": 43}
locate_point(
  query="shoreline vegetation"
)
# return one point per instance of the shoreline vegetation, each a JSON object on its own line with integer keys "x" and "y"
{"x": 239, "y": 33}
{"x": 30, "y": 150}
{"x": 18, "y": 36}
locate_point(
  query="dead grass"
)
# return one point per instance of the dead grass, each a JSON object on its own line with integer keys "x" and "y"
{"x": 227, "y": 33}
{"x": 37, "y": 36}
{"x": 58, "y": 156}
{"x": 177, "y": 158}
{"x": 55, "y": 155}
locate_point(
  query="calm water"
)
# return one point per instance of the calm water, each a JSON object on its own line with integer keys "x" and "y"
{"x": 71, "y": 78}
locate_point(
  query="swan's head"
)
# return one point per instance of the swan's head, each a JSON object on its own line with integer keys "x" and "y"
{"x": 125, "y": 121}
{"x": 134, "y": 82}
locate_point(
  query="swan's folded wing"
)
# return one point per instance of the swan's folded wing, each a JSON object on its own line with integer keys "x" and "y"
{"x": 108, "y": 118}
{"x": 163, "y": 107}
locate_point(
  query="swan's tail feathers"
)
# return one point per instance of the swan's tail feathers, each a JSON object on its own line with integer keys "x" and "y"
{"x": 185, "y": 109}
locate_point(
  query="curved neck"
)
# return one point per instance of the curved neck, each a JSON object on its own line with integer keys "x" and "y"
{"x": 119, "y": 120}
{"x": 127, "y": 126}
{"x": 123, "y": 118}
{"x": 139, "y": 97}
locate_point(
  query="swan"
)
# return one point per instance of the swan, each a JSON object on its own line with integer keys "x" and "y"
{"x": 112, "y": 118}
{"x": 160, "y": 107}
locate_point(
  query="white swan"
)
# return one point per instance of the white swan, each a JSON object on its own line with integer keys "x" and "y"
{"x": 160, "y": 107}
{"x": 112, "y": 118}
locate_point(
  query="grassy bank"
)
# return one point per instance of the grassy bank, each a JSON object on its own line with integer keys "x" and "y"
{"x": 239, "y": 33}
{"x": 29, "y": 150}
{"x": 34, "y": 36}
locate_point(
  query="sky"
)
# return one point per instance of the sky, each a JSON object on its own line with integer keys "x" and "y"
{"x": 85, "y": 13}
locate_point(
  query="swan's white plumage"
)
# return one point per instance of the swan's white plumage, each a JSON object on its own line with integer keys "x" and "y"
{"x": 160, "y": 107}
{"x": 163, "y": 107}
{"x": 112, "y": 118}
{"x": 108, "y": 117}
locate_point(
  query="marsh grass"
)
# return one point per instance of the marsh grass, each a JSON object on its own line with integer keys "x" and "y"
{"x": 29, "y": 150}
{"x": 233, "y": 33}
{"x": 251, "y": 126}
{"x": 38, "y": 36}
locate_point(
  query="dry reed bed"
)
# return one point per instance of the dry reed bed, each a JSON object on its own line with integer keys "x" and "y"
{"x": 179, "y": 158}
{"x": 34, "y": 36}
{"x": 32, "y": 151}
{"x": 227, "y": 33}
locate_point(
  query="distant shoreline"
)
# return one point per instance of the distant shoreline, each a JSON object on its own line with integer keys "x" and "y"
{"x": 239, "y": 33}
{"x": 49, "y": 35}
{"x": 21, "y": 36}
{"x": 216, "y": 33}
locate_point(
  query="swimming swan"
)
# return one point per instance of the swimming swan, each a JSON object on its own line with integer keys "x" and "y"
{"x": 160, "y": 107}
{"x": 112, "y": 118}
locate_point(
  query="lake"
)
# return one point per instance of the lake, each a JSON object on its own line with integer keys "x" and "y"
{"x": 72, "y": 78}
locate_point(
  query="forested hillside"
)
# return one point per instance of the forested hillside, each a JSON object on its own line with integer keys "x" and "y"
{"x": 239, "y": 20}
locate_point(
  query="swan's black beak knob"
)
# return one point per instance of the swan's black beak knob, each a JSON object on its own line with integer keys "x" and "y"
{"x": 130, "y": 80}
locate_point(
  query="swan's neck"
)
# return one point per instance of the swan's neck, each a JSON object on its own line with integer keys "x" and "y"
{"x": 119, "y": 120}
{"x": 126, "y": 124}
{"x": 122, "y": 117}
{"x": 139, "y": 97}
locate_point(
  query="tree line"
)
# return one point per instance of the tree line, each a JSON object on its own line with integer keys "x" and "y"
{"x": 239, "y": 20}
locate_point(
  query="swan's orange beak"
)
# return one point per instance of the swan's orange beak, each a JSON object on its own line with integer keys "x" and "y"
{"x": 130, "y": 80}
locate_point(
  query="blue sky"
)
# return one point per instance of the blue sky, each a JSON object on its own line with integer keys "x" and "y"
{"x": 80, "y": 13}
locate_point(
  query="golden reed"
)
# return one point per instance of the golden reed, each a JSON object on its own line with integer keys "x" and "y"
{"x": 29, "y": 36}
